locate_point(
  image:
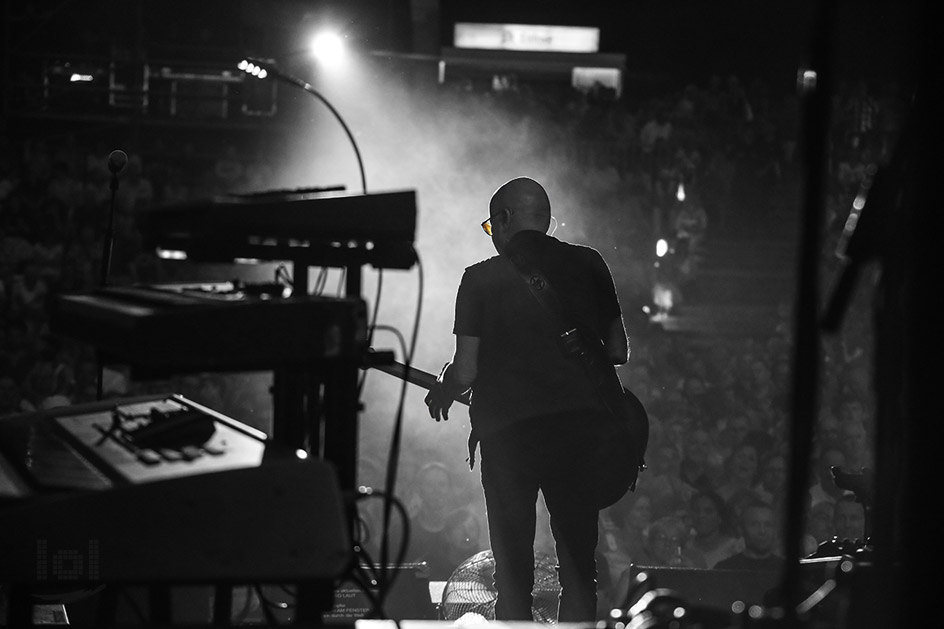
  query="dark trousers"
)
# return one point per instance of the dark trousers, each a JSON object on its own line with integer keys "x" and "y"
{"x": 553, "y": 454}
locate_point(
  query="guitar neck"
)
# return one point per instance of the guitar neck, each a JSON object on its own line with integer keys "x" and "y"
{"x": 415, "y": 376}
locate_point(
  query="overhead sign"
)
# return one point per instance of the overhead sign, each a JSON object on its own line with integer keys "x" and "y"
{"x": 530, "y": 37}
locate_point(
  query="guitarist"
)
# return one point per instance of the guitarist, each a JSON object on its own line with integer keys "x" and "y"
{"x": 538, "y": 419}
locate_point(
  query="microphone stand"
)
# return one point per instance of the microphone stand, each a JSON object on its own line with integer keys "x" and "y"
{"x": 107, "y": 245}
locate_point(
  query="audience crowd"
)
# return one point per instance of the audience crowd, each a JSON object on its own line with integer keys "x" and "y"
{"x": 713, "y": 495}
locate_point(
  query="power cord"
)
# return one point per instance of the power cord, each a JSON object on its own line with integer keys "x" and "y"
{"x": 394, "y": 456}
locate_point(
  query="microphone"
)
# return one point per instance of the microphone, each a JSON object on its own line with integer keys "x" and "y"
{"x": 117, "y": 160}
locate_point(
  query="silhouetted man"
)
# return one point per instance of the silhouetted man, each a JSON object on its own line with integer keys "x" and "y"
{"x": 536, "y": 415}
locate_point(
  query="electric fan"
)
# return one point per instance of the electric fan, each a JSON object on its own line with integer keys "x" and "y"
{"x": 470, "y": 589}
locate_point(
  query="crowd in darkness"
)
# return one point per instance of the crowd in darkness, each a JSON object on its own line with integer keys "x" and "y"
{"x": 719, "y": 409}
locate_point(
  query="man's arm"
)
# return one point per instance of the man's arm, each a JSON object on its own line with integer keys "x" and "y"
{"x": 456, "y": 378}
{"x": 465, "y": 362}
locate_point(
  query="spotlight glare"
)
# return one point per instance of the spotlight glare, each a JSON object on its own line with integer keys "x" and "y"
{"x": 662, "y": 247}
{"x": 242, "y": 65}
{"x": 680, "y": 193}
{"x": 171, "y": 254}
{"x": 263, "y": 74}
{"x": 328, "y": 47}
{"x": 807, "y": 80}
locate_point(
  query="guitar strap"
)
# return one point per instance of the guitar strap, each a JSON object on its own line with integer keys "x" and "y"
{"x": 547, "y": 297}
{"x": 573, "y": 345}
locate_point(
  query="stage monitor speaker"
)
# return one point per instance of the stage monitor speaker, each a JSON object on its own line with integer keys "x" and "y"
{"x": 721, "y": 588}
{"x": 718, "y": 589}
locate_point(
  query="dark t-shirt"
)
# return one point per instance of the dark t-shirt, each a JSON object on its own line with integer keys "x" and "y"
{"x": 521, "y": 371}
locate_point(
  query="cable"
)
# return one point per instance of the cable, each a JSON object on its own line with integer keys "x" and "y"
{"x": 240, "y": 617}
{"x": 135, "y": 607}
{"x": 365, "y": 567}
{"x": 320, "y": 281}
{"x": 341, "y": 281}
{"x": 371, "y": 327}
{"x": 394, "y": 456}
{"x": 271, "y": 620}
{"x": 281, "y": 273}
{"x": 270, "y": 67}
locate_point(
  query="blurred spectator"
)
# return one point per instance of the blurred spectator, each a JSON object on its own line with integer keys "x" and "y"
{"x": 695, "y": 468}
{"x": 669, "y": 492}
{"x": 759, "y": 531}
{"x": 740, "y": 472}
{"x": 623, "y": 529}
{"x": 96, "y": 191}
{"x": 28, "y": 297}
{"x": 82, "y": 260}
{"x": 773, "y": 481}
{"x": 849, "y": 519}
{"x": 429, "y": 534}
{"x": 819, "y": 527}
{"x": 712, "y": 539}
{"x": 667, "y": 545}
{"x": 134, "y": 188}
{"x": 824, "y": 489}
{"x": 827, "y": 429}
{"x": 49, "y": 246}
{"x": 465, "y": 535}
{"x": 654, "y": 137}
{"x": 689, "y": 226}
{"x": 855, "y": 445}
{"x": 45, "y": 387}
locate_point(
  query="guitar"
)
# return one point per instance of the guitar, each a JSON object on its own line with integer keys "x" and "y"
{"x": 621, "y": 455}
{"x": 416, "y": 376}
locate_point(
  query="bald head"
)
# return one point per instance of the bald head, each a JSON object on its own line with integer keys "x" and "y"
{"x": 518, "y": 205}
{"x": 522, "y": 195}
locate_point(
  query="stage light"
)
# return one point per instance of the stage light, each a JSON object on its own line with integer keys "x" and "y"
{"x": 171, "y": 254}
{"x": 806, "y": 80}
{"x": 680, "y": 193}
{"x": 662, "y": 247}
{"x": 80, "y": 78}
{"x": 254, "y": 69}
{"x": 268, "y": 67}
{"x": 328, "y": 47}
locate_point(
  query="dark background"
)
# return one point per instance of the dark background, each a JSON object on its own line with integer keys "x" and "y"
{"x": 682, "y": 39}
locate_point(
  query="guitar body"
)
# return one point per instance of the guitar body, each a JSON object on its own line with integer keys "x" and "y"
{"x": 622, "y": 452}
{"x": 621, "y": 455}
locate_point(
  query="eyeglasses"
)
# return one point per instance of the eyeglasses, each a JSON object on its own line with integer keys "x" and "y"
{"x": 487, "y": 226}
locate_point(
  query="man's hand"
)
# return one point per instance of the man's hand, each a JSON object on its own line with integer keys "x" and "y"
{"x": 439, "y": 398}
